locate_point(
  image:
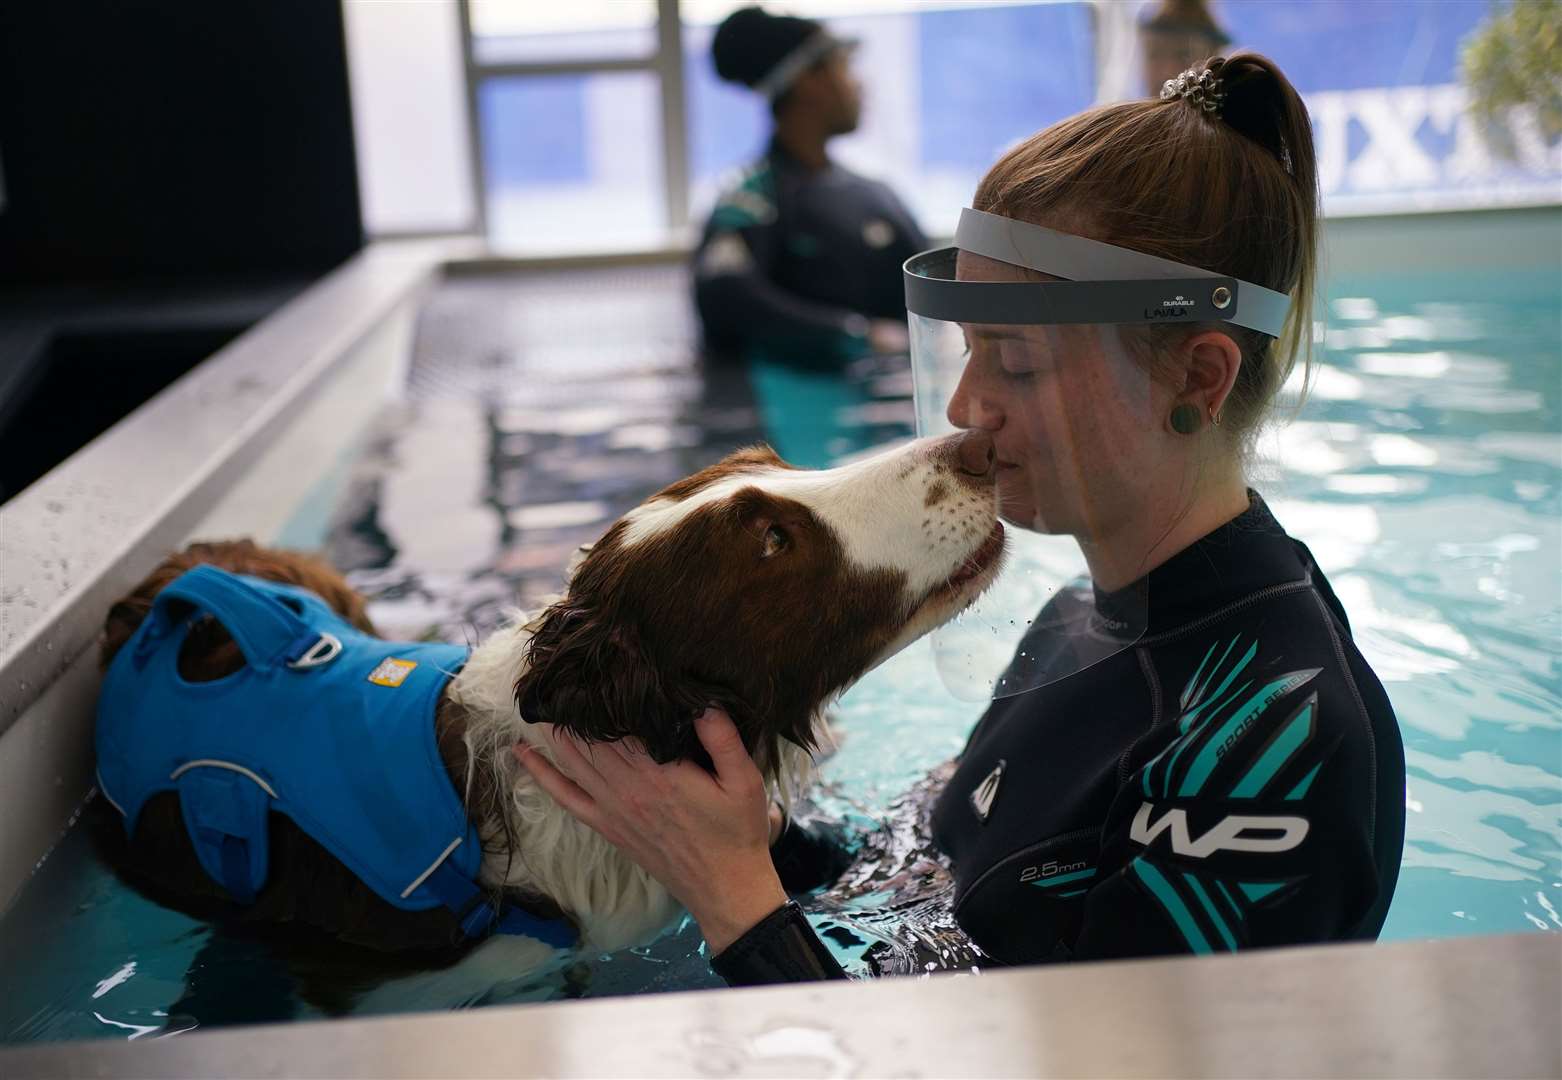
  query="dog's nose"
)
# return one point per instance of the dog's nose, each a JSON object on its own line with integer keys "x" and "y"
{"x": 974, "y": 454}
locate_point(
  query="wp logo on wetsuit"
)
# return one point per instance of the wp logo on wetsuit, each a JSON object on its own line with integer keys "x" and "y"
{"x": 1236, "y": 832}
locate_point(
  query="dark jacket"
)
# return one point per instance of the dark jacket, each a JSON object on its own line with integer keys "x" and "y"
{"x": 794, "y": 261}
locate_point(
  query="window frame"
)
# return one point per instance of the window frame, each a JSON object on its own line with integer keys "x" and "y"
{"x": 666, "y": 64}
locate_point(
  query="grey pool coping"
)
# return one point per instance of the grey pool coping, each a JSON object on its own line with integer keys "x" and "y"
{"x": 90, "y": 528}
{"x": 1471, "y": 1007}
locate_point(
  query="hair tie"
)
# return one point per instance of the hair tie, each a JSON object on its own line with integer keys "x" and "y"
{"x": 1202, "y": 88}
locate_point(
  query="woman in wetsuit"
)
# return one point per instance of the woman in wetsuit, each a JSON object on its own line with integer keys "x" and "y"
{"x": 1231, "y": 776}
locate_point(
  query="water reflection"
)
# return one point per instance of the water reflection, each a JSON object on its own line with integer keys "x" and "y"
{"x": 1454, "y": 592}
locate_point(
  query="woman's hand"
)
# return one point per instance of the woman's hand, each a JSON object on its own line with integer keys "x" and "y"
{"x": 706, "y": 838}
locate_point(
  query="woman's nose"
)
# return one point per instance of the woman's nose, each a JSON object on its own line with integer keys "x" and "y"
{"x": 967, "y": 410}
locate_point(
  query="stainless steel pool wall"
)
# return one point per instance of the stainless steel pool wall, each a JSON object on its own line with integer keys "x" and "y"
{"x": 235, "y": 445}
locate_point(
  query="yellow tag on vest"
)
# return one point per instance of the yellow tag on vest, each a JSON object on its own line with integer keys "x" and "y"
{"x": 392, "y": 672}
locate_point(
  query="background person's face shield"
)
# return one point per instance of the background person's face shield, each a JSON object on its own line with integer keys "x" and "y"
{"x": 1042, "y": 365}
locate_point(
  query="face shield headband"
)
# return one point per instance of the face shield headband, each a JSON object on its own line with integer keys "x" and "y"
{"x": 1102, "y": 283}
{"x": 1043, "y": 366}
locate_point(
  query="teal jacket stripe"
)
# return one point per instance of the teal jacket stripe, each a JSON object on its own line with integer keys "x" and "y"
{"x": 1187, "y": 691}
{"x": 1231, "y": 901}
{"x": 1198, "y": 695}
{"x": 1061, "y": 879}
{"x": 1172, "y": 903}
{"x": 1300, "y": 790}
{"x": 1214, "y": 916}
{"x": 1182, "y": 744}
{"x": 1257, "y": 890}
{"x": 1292, "y": 737}
{"x": 1204, "y": 763}
{"x": 1241, "y": 665}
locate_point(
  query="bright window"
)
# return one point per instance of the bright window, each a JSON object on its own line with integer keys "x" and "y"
{"x": 597, "y": 132}
{"x": 535, "y": 31}
{"x": 573, "y": 162}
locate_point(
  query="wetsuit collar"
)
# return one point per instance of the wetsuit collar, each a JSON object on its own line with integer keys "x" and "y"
{"x": 1248, "y": 553}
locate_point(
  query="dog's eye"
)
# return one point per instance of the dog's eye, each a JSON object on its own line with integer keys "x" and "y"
{"x": 776, "y": 541}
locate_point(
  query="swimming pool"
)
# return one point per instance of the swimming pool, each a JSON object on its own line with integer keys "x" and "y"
{"x": 1425, "y": 473}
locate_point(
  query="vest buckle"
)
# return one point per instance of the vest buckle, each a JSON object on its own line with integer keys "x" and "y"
{"x": 323, "y": 651}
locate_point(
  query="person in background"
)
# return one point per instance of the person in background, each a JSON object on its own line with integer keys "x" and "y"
{"x": 800, "y": 260}
{"x": 1175, "y": 35}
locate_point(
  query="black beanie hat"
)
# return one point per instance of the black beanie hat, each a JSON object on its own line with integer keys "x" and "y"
{"x": 750, "y": 42}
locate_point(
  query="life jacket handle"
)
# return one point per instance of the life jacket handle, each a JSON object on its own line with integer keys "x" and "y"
{"x": 265, "y": 629}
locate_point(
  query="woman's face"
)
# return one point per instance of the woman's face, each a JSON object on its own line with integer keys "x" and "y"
{"x": 1068, "y": 411}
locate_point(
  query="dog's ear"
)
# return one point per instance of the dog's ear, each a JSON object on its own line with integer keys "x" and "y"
{"x": 590, "y": 675}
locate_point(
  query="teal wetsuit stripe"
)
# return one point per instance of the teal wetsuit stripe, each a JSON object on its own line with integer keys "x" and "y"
{"x": 1187, "y": 691}
{"x": 1289, "y": 741}
{"x": 1241, "y": 665}
{"x": 1198, "y": 698}
{"x": 1167, "y": 895}
{"x": 1258, "y": 890}
{"x": 1204, "y": 764}
{"x": 1175, "y": 748}
{"x": 1192, "y": 737}
{"x": 1236, "y": 908}
{"x": 1061, "y": 879}
{"x": 1073, "y": 892}
{"x": 1300, "y": 790}
{"x": 1214, "y": 916}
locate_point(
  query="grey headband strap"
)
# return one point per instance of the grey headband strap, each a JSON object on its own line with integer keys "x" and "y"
{"x": 1079, "y": 259}
{"x": 785, "y": 73}
{"x": 933, "y": 291}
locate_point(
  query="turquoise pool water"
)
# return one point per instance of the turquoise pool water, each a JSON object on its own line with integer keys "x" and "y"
{"x": 1425, "y": 472}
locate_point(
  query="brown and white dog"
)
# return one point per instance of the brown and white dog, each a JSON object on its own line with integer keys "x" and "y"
{"x": 751, "y": 585}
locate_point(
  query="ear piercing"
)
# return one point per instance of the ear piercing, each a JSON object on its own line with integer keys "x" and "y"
{"x": 1186, "y": 419}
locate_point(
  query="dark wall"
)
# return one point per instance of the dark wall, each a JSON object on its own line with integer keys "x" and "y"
{"x": 174, "y": 138}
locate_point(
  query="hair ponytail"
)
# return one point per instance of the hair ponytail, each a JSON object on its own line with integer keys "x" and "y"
{"x": 1262, "y": 106}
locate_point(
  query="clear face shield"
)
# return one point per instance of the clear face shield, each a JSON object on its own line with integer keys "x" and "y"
{"x": 1000, "y": 344}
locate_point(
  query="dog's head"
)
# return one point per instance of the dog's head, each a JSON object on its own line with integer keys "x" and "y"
{"x": 765, "y": 590}
{"x": 208, "y": 652}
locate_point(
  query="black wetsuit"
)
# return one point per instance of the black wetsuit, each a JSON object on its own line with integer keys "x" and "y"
{"x": 1233, "y": 780}
{"x": 794, "y": 261}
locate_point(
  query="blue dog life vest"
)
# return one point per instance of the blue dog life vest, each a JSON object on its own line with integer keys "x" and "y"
{"x": 324, "y": 723}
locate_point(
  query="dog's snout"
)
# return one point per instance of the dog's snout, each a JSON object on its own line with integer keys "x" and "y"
{"x": 974, "y": 455}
